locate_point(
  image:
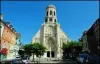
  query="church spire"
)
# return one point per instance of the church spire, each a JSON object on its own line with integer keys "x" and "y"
{"x": 50, "y": 14}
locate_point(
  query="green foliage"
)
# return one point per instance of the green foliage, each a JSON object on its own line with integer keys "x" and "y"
{"x": 72, "y": 44}
{"x": 21, "y": 53}
{"x": 36, "y": 49}
{"x": 72, "y": 47}
{"x": 39, "y": 49}
{"x": 28, "y": 48}
{"x": 65, "y": 45}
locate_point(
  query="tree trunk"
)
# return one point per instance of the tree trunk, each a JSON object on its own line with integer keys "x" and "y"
{"x": 33, "y": 57}
{"x": 28, "y": 58}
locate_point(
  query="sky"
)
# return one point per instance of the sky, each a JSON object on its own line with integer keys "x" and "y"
{"x": 28, "y": 16}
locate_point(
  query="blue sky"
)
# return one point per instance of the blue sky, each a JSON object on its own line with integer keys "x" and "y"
{"x": 28, "y": 16}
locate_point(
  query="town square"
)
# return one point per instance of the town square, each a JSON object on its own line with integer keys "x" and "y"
{"x": 56, "y": 32}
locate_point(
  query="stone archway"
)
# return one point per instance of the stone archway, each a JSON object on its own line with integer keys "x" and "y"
{"x": 51, "y": 44}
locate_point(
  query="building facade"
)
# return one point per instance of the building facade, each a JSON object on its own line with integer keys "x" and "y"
{"x": 17, "y": 45}
{"x": 84, "y": 40}
{"x": 8, "y": 39}
{"x": 1, "y": 26}
{"x": 96, "y": 27}
{"x": 91, "y": 38}
{"x": 51, "y": 35}
{"x": 1, "y": 32}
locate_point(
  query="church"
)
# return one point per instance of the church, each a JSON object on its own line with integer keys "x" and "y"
{"x": 51, "y": 35}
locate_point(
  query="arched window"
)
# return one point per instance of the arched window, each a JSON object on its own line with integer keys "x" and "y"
{"x": 54, "y": 13}
{"x": 47, "y": 13}
{"x": 50, "y": 12}
{"x": 55, "y": 20}
{"x": 46, "y": 20}
{"x": 48, "y": 53}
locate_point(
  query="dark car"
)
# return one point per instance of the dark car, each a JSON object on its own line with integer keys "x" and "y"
{"x": 5, "y": 62}
{"x": 94, "y": 59}
{"x": 13, "y": 61}
{"x": 82, "y": 58}
{"x": 17, "y": 61}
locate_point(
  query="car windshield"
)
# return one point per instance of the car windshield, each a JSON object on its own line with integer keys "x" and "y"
{"x": 83, "y": 55}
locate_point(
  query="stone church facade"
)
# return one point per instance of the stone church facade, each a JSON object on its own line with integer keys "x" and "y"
{"x": 51, "y": 35}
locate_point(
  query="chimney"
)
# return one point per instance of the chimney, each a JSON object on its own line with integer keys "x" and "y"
{"x": 1, "y": 17}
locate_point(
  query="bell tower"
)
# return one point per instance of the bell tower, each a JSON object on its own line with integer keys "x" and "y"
{"x": 50, "y": 14}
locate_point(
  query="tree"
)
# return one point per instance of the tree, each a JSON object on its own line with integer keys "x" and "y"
{"x": 78, "y": 47}
{"x": 21, "y": 53}
{"x": 72, "y": 48}
{"x": 39, "y": 49}
{"x": 66, "y": 50}
{"x": 34, "y": 49}
{"x": 28, "y": 48}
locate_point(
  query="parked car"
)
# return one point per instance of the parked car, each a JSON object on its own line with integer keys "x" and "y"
{"x": 94, "y": 59}
{"x": 82, "y": 58}
{"x": 18, "y": 61}
{"x": 25, "y": 61}
{"x": 13, "y": 61}
{"x": 5, "y": 62}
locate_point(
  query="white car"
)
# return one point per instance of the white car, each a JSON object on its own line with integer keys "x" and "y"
{"x": 25, "y": 61}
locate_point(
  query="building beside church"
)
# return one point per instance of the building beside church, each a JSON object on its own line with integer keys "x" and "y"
{"x": 51, "y": 35}
{"x": 91, "y": 39}
{"x": 9, "y": 40}
{"x": 17, "y": 45}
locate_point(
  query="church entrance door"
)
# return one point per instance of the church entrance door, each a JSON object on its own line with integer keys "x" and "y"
{"x": 51, "y": 47}
{"x": 50, "y": 54}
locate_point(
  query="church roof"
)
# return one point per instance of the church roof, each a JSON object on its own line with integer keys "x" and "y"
{"x": 50, "y": 6}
